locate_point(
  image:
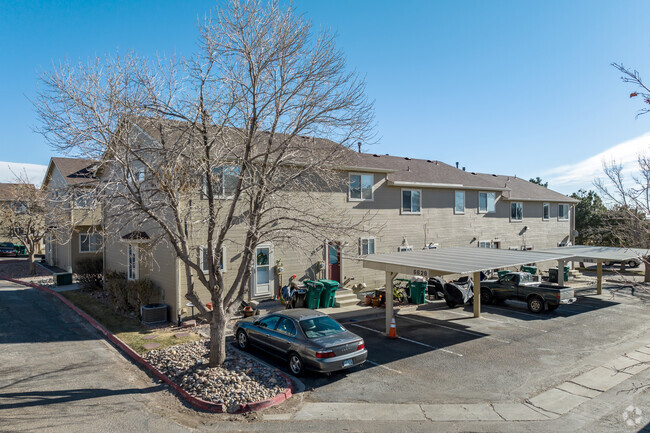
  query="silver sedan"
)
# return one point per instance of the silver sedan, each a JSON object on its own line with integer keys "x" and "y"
{"x": 307, "y": 339}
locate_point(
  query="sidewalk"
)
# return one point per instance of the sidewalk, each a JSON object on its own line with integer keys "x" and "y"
{"x": 549, "y": 405}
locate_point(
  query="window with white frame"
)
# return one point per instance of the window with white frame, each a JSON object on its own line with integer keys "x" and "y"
{"x": 361, "y": 186}
{"x": 89, "y": 242}
{"x": 411, "y": 201}
{"x": 83, "y": 199}
{"x": 138, "y": 173}
{"x": 563, "y": 212}
{"x": 516, "y": 211}
{"x": 204, "y": 259}
{"x": 484, "y": 244}
{"x": 133, "y": 266}
{"x": 459, "y": 202}
{"x": 366, "y": 246}
{"x": 546, "y": 211}
{"x": 225, "y": 181}
{"x": 486, "y": 202}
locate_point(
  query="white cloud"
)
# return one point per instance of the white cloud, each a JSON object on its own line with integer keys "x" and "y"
{"x": 34, "y": 172}
{"x": 572, "y": 177}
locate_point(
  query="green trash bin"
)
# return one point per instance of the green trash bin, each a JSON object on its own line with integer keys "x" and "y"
{"x": 328, "y": 297}
{"x": 552, "y": 274}
{"x": 314, "y": 290}
{"x": 530, "y": 269}
{"x": 418, "y": 291}
{"x": 502, "y": 273}
{"x": 20, "y": 249}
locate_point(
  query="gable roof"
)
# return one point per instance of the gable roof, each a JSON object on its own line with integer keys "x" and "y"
{"x": 400, "y": 171}
{"x": 75, "y": 171}
{"x": 12, "y": 191}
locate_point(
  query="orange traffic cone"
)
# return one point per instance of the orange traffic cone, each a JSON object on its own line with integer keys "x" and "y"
{"x": 392, "y": 333}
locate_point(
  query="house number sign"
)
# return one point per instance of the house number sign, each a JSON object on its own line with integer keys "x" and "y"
{"x": 421, "y": 273}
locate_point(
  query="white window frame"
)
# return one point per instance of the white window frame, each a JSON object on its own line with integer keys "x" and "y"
{"x": 566, "y": 214}
{"x": 457, "y": 212}
{"x": 138, "y": 173}
{"x": 221, "y": 194}
{"x": 132, "y": 274}
{"x": 372, "y": 188}
{"x": 89, "y": 243}
{"x": 510, "y": 211}
{"x": 204, "y": 266}
{"x": 487, "y": 203}
{"x": 485, "y": 244}
{"x": 401, "y": 202}
{"x": 367, "y": 240}
{"x": 544, "y": 207}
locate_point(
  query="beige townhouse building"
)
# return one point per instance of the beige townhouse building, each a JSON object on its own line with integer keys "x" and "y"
{"x": 414, "y": 203}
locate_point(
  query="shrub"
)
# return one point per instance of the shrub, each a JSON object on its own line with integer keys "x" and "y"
{"x": 89, "y": 273}
{"x": 140, "y": 292}
{"x": 116, "y": 286}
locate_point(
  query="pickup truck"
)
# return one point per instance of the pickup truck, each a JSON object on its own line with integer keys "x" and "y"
{"x": 520, "y": 286}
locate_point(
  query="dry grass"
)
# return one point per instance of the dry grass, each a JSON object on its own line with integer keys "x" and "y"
{"x": 127, "y": 329}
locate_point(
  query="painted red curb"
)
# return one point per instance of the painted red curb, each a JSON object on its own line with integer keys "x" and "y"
{"x": 195, "y": 401}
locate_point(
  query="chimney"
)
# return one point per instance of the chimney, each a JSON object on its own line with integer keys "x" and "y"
{"x": 359, "y": 144}
{"x": 456, "y": 164}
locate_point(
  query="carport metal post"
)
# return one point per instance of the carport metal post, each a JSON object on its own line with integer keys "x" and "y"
{"x": 599, "y": 276}
{"x": 560, "y": 272}
{"x": 477, "y": 294}
{"x": 390, "y": 276}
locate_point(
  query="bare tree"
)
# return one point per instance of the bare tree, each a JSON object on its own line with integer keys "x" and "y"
{"x": 22, "y": 216}
{"x": 219, "y": 148}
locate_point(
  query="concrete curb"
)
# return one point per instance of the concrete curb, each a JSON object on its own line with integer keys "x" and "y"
{"x": 194, "y": 401}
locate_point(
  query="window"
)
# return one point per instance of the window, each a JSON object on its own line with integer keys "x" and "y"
{"x": 89, "y": 242}
{"x": 516, "y": 211}
{"x": 563, "y": 212}
{"x": 204, "y": 259}
{"x": 366, "y": 246}
{"x": 269, "y": 322}
{"x": 486, "y": 202}
{"x": 459, "y": 202}
{"x": 138, "y": 173}
{"x": 411, "y": 201}
{"x": 361, "y": 186}
{"x": 19, "y": 207}
{"x": 286, "y": 326}
{"x": 546, "y": 211}
{"x": 132, "y": 264}
{"x": 83, "y": 200}
{"x": 322, "y": 326}
{"x": 225, "y": 181}
{"x": 484, "y": 244}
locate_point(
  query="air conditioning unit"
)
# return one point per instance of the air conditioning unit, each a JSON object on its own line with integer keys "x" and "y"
{"x": 402, "y": 249}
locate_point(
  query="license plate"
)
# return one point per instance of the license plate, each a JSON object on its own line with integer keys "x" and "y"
{"x": 348, "y": 363}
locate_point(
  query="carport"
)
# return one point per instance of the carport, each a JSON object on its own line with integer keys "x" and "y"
{"x": 586, "y": 253}
{"x": 464, "y": 261}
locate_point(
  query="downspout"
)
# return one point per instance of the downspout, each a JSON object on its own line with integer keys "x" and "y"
{"x": 178, "y": 291}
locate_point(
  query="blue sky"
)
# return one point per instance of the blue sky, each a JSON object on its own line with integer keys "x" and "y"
{"x": 511, "y": 87}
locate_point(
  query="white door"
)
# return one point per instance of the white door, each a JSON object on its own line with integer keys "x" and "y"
{"x": 263, "y": 271}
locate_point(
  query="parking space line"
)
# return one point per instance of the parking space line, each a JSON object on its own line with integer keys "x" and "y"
{"x": 478, "y": 334}
{"x": 383, "y": 366}
{"x": 536, "y": 316}
{"x": 499, "y": 321}
{"x": 409, "y": 340}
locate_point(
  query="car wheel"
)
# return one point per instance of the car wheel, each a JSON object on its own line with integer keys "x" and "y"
{"x": 450, "y": 304}
{"x": 552, "y": 307}
{"x": 242, "y": 340}
{"x": 535, "y": 304}
{"x": 486, "y": 297}
{"x": 632, "y": 264}
{"x": 296, "y": 365}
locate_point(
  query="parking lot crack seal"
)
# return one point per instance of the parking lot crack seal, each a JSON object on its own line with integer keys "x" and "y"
{"x": 538, "y": 409}
{"x": 582, "y": 386}
{"x": 495, "y": 411}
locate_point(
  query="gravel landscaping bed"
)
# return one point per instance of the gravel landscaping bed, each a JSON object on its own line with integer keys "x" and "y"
{"x": 239, "y": 381}
{"x": 20, "y": 269}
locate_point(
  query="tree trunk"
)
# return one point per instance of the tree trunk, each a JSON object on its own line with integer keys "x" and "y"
{"x": 217, "y": 338}
{"x": 32, "y": 266}
{"x": 646, "y": 265}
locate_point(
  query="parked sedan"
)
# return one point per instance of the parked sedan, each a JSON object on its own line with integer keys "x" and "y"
{"x": 7, "y": 249}
{"x": 306, "y": 339}
{"x": 630, "y": 263}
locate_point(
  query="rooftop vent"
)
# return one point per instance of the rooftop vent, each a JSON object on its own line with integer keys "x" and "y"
{"x": 387, "y": 155}
{"x": 474, "y": 173}
{"x": 428, "y": 160}
{"x": 407, "y": 158}
{"x": 463, "y": 168}
{"x": 494, "y": 175}
{"x": 375, "y": 155}
{"x": 456, "y": 164}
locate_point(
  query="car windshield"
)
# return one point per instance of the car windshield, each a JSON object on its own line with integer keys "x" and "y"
{"x": 320, "y": 327}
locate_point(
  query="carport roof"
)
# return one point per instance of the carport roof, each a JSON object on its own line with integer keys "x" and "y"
{"x": 461, "y": 260}
{"x": 603, "y": 253}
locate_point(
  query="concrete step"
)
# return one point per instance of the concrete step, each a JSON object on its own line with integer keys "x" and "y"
{"x": 345, "y": 298}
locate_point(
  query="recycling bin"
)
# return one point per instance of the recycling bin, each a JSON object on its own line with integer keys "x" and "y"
{"x": 418, "y": 290}
{"x": 327, "y": 297}
{"x": 314, "y": 290}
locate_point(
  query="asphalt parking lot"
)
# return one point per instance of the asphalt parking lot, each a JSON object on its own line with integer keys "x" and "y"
{"x": 509, "y": 354}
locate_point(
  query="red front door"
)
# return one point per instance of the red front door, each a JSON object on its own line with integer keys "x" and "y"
{"x": 334, "y": 261}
